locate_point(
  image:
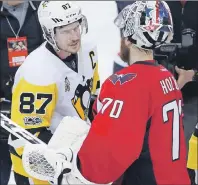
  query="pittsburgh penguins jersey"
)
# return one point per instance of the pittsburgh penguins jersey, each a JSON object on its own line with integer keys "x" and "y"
{"x": 46, "y": 90}
{"x": 193, "y": 150}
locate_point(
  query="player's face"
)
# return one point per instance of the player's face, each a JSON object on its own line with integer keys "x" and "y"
{"x": 68, "y": 38}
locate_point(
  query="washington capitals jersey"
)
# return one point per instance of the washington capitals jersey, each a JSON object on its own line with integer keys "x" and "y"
{"x": 137, "y": 130}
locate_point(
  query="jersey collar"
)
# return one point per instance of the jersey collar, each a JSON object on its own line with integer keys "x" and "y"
{"x": 148, "y": 62}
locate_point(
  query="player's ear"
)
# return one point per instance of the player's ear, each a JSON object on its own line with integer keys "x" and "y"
{"x": 55, "y": 34}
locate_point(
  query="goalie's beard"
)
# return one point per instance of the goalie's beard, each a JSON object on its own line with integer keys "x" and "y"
{"x": 124, "y": 52}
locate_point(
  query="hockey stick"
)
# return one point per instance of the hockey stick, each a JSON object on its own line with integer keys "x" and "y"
{"x": 18, "y": 131}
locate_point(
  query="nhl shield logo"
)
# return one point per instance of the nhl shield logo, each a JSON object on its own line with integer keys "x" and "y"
{"x": 67, "y": 85}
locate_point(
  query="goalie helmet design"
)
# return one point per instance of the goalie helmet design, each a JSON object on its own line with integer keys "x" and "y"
{"x": 147, "y": 24}
{"x": 52, "y": 14}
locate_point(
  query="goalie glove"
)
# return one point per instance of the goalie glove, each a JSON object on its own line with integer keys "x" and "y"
{"x": 72, "y": 131}
{"x": 46, "y": 164}
{"x": 57, "y": 167}
{"x": 57, "y": 162}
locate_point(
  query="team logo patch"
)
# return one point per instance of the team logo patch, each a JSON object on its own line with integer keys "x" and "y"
{"x": 81, "y": 98}
{"x": 67, "y": 85}
{"x": 122, "y": 78}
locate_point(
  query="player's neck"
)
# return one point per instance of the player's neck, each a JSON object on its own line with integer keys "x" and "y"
{"x": 63, "y": 54}
{"x": 138, "y": 55}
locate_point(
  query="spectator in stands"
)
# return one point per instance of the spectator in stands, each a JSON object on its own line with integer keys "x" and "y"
{"x": 19, "y": 28}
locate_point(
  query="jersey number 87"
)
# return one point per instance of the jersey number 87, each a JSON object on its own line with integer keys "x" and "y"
{"x": 27, "y": 103}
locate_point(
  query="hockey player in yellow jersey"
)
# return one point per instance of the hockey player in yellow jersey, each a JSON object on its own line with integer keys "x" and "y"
{"x": 56, "y": 80}
{"x": 193, "y": 154}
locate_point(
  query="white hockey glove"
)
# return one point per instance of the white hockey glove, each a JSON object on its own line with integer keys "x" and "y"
{"x": 71, "y": 131}
{"x": 75, "y": 134}
{"x": 48, "y": 162}
{"x": 57, "y": 162}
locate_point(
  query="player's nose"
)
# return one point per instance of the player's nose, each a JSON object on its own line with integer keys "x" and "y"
{"x": 75, "y": 35}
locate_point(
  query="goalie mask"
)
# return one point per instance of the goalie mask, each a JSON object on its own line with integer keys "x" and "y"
{"x": 58, "y": 14}
{"x": 147, "y": 24}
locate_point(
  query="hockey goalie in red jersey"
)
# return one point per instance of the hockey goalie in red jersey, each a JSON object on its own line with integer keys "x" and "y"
{"x": 138, "y": 129}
